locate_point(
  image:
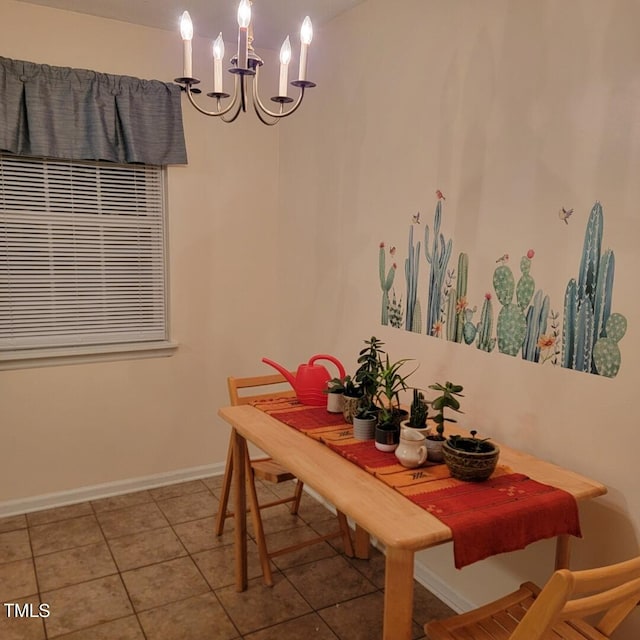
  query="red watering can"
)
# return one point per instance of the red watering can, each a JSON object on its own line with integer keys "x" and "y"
{"x": 310, "y": 381}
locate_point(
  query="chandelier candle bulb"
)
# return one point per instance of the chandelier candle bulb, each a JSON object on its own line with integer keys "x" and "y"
{"x": 285, "y": 58}
{"x": 218, "y": 55}
{"x": 244, "y": 18}
{"x": 306, "y": 35}
{"x": 186, "y": 31}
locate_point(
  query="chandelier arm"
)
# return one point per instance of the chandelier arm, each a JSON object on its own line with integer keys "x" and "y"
{"x": 262, "y": 118}
{"x": 260, "y": 108}
{"x": 223, "y": 112}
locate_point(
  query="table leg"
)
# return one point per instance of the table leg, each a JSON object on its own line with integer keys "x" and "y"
{"x": 361, "y": 543}
{"x": 398, "y": 595}
{"x": 240, "y": 510}
{"x": 563, "y": 551}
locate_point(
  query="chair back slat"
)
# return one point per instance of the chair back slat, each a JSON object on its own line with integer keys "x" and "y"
{"x": 240, "y": 388}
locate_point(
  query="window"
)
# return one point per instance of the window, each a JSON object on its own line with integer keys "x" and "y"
{"x": 82, "y": 259}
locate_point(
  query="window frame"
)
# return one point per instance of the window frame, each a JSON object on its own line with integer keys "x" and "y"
{"x": 111, "y": 347}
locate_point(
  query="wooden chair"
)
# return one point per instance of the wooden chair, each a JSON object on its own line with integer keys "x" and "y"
{"x": 268, "y": 470}
{"x": 556, "y": 612}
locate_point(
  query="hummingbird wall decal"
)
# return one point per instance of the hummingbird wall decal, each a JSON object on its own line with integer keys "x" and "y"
{"x": 565, "y": 214}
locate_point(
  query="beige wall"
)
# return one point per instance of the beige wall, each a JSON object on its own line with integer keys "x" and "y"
{"x": 70, "y": 427}
{"x": 513, "y": 109}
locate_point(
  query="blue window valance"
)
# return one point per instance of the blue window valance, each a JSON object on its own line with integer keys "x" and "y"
{"x": 59, "y": 112}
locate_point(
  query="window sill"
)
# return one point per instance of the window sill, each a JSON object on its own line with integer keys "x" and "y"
{"x": 32, "y": 358}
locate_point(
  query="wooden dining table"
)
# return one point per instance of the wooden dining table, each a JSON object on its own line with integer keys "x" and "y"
{"x": 401, "y": 526}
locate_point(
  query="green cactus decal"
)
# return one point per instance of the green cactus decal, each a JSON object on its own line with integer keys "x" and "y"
{"x": 395, "y": 311}
{"x": 485, "y": 326}
{"x": 568, "y": 326}
{"x": 386, "y": 282}
{"x": 606, "y": 353}
{"x": 537, "y": 316}
{"x": 457, "y": 301}
{"x": 438, "y": 258}
{"x": 512, "y": 325}
{"x": 411, "y": 269}
{"x": 469, "y": 329}
{"x": 526, "y": 285}
{"x": 451, "y": 315}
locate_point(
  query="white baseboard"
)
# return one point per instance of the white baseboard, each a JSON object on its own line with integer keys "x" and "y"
{"x": 440, "y": 589}
{"x": 107, "y": 490}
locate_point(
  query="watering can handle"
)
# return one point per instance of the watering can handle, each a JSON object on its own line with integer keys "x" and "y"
{"x": 324, "y": 356}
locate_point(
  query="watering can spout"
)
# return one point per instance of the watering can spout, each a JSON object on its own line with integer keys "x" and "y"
{"x": 285, "y": 372}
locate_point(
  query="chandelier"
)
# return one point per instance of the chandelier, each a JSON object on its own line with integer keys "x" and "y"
{"x": 245, "y": 67}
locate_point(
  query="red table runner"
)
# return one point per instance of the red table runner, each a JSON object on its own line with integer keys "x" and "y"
{"x": 505, "y": 513}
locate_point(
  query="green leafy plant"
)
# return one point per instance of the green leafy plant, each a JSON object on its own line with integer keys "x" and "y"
{"x": 390, "y": 383}
{"x": 472, "y": 444}
{"x": 448, "y": 399}
{"x": 418, "y": 411}
{"x": 335, "y": 385}
{"x": 365, "y": 412}
{"x": 351, "y": 388}
{"x": 367, "y": 374}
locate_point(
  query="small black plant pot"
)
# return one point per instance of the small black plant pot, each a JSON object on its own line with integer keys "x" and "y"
{"x": 470, "y": 459}
{"x": 387, "y": 437}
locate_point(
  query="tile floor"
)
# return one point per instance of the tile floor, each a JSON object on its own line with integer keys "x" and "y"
{"x": 147, "y": 565}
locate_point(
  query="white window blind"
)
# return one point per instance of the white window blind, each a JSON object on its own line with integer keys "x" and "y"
{"x": 82, "y": 253}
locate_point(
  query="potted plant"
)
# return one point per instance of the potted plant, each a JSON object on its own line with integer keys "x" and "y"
{"x": 448, "y": 399}
{"x": 418, "y": 412}
{"x": 364, "y": 423}
{"x": 471, "y": 458}
{"x": 360, "y": 391}
{"x": 390, "y": 383}
{"x": 352, "y": 398}
{"x": 368, "y": 373}
{"x": 335, "y": 395}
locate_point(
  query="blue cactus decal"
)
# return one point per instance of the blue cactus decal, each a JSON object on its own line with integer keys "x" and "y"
{"x": 413, "y": 320}
{"x": 587, "y": 306}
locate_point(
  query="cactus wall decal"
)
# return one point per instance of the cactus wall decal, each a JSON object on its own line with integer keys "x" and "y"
{"x": 587, "y": 307}
{"x": 512, "y": 325}
{"x": 438, "y": 258}
{"x": 413, "y": 319}
{"x": 395, "y": 311}
{"x": 457, "y": 301}
{"x": 386, "y": 282}
{"x": 606, "y": 353}
{"x": 584, "y": 338}
{"x": 485, "y": 326}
